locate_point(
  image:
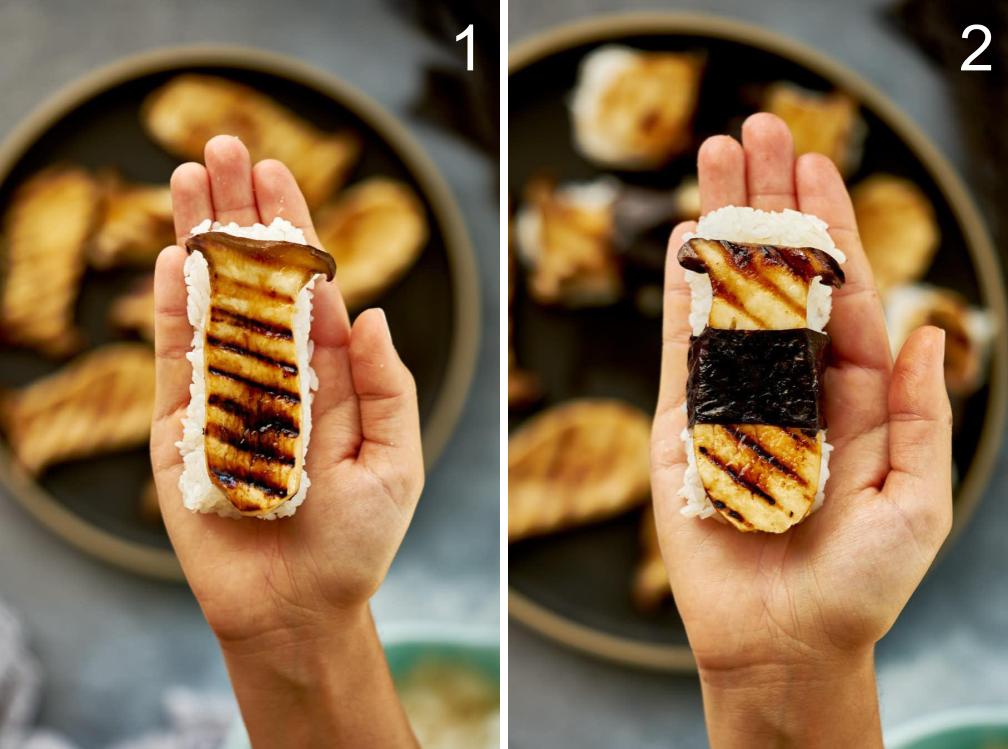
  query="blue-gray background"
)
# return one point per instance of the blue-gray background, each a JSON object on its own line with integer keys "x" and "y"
{"x": 948, "y": 648}
{"x": 111, "y": 642}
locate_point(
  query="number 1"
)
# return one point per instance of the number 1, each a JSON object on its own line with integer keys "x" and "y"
{"x": 468, "y": 36}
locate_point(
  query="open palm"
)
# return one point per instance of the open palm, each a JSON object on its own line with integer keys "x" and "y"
{"x": 251, "y": 576}
{"x": 835, "y": 583}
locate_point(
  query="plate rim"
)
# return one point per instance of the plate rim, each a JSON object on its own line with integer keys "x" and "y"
{"x": 461, "y": 367}
{"x": 605, "y": 27}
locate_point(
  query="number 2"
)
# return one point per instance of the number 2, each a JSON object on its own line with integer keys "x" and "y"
{"x": 468, "y": 36}
{"x": 968, "y": 63}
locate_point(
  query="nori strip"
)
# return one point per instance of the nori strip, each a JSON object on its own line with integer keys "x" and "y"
{"x": 771, "y": 377}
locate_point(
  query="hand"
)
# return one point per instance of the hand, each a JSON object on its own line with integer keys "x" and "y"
{"x": 813, "y": 601}
{"x": 293, "y": 584}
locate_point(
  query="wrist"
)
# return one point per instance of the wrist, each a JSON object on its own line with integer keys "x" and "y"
{"x": 816, "y": 700}
{"x": 317, "y": 685}
{"x": 301, "y": 652}
{"x": 332, "y": 624}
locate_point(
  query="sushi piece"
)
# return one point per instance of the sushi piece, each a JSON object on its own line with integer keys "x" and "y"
{"x": 134, "y": 311}
{"x": 637, "y": 210}
{"x": 969, "y": 331}
{"x": 634, "y": 110}
{"x": 99, "y": 403}
{"x": 686, "y": 200}
{"x": 566, "y": 238}
{"x": 184, "y": 113}
{"x": 136, "y": 224}
{"x": 826, "y": 123}
{"x": 576, "y": 463}
{"x": 898, "y": 229}
{"x": 47, "y": 227}
{"x": 573, "y": 238}
{"x": 761, "y": 294}
{"x": 248, "y": 421}
{"x": 375, "y": 231}
{"x": 524, "y": 386}
{"x": 651, "y": 587}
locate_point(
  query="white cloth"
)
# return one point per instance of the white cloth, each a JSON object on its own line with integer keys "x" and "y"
{"x": 195, "y": 720}
{"x": 20, "y": 687}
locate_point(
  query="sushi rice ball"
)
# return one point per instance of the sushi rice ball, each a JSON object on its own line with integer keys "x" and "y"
{"x": 633, "y": 110}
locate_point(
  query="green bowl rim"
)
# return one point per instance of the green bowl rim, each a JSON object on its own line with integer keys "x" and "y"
{"x": 933, "y": 725}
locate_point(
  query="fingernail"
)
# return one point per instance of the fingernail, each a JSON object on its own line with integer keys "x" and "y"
{"x": 385, "y": 325}
{"x": 938, "y": 341}
{"x": 938, "y": 337}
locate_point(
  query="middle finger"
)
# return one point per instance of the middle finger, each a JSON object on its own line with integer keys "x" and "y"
{"x": 230, "y": 169}
{"x": 770, "y": 163}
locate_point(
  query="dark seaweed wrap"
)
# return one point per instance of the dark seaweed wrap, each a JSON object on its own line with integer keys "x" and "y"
{"x": 771, "y": 377}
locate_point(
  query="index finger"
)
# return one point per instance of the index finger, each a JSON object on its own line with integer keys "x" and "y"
{"x": 675, "y": 329}
{"x": 721, "y": 172}
{"x": 668, "y": 455}
{"x": 190, "y": 194}
{"x": 172, "y": 333}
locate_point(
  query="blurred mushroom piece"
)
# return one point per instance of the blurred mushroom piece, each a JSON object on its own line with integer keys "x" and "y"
{"x": 826, "y": 123}
{"x": 188, "y": 110}
{"x": 524, "y": 387}
{"x": 651, "y": 585}
{"x": 633, "y": 109}
{"x": 898, "y": 229}
{"x": 375, "y": 231}
{"x": 47, "y": 227}
{"x": 136, "y": 224}
{"x": 686, "y": 200}
{"x": 638, "y": 209}
{"x": 99, "y": 403}
{"x": 566, "y": 240}
{"x": 575, "y": 463}
{"x": 134, "y": 310}
{"x": 968, "y": 330}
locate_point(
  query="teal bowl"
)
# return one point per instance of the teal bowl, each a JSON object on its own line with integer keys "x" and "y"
{"x": 409, "y": 645}
{"x": 965, "y": 728}
{"x": 406, "y": 646}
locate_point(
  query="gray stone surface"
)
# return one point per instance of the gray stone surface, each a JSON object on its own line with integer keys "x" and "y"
{"x": 111, "y": 642}
{"x": 948, "y": 647}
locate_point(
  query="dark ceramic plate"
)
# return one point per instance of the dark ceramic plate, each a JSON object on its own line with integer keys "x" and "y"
{"x": 575, "y": 586}
{"x": 94, "y": 503}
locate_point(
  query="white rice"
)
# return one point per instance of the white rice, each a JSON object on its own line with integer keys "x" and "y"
{"x": 598, "y": 71}
{"x": 198, "y": 492}
{"x": 786, "y": 228}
